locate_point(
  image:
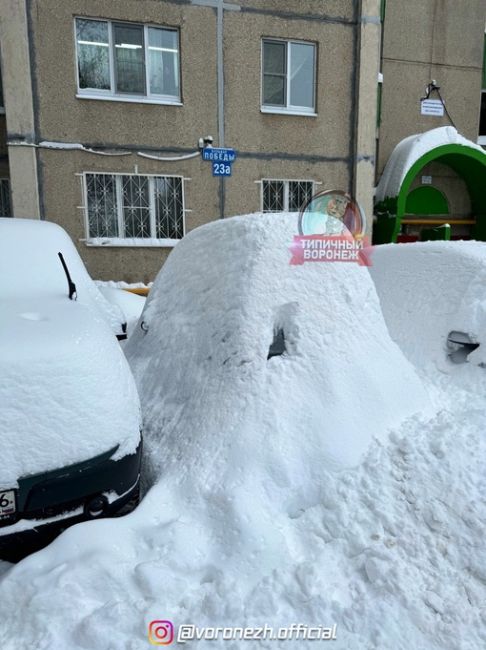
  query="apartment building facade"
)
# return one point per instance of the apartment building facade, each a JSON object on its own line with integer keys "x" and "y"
{"x": 106, "y": 102}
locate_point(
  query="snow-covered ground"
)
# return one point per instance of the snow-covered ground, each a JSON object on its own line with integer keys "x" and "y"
{"x": 339, "y": 484}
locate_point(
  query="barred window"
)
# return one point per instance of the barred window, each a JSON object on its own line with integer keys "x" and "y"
{"x": 5, "y": 207}
{"x": 134, "y": 206}
{"x": 285, "y": 195}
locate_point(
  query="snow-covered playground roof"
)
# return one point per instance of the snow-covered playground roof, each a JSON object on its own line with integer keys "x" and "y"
{"x": 410, "y": 150}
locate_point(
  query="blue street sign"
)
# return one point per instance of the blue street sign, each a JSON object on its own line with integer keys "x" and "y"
{"x": 219, "y": 154}
{"x": 221, "y": 169}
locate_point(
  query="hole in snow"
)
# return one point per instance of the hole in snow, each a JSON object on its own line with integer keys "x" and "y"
{"x": 277, "y": 347}
{"x": 460, "y": 346}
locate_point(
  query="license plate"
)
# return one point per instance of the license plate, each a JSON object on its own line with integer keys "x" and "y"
{"x": 7, "y": 503}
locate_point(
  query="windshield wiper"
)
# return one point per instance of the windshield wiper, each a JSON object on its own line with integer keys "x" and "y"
{"x": 73, "y": 294}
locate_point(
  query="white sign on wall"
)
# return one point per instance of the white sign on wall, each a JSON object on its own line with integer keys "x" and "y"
{"x": 426, "y": 180}
{"x": 432, "y": 107}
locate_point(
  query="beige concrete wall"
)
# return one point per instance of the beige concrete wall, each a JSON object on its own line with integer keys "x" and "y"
{"x": 64, "y": 117}
{"x": 64, "y": 199}
{"x": 276, "y": 146}
{"x": 18, "y": 99}
{"x": 437, "y": 39}
{"x": 370, "y": 39}
{"x": 247, "y": 127}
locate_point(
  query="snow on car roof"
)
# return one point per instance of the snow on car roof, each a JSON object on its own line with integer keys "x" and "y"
{"x": 29, "y": 264}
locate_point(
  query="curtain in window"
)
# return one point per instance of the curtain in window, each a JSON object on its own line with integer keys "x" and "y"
{"x": 163, "y": 47}
{"x": 129, "y": 59}
{"x": 301, "y": 75}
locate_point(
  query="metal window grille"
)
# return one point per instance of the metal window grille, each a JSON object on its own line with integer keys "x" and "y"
{"x": 134, "y": 206}
{"x": 287, "y": 196}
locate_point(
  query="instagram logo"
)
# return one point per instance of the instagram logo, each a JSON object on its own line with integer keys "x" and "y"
{"x": 161, "y": 632}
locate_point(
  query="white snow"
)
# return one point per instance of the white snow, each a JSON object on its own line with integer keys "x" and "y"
{"x": 129, "y": 303}
{"x": 411, "y": 149}
{"x": 29, "y": 263}
{"x": 259, "y": 512}
{"x": 429, "y": 289}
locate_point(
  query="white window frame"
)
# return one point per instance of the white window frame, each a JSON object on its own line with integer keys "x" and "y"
{"x": 286, "y": 182}
{"x": 288, "y": 109}
{"x": 146, "y": 242}
{"x": 112, "y": 95}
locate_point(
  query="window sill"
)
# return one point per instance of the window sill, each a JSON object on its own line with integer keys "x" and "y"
{"x": 130, "y": 100}
{"x": 482, "y": 140}
{"x": 287, "y": 111}
{"x": 119, "y": 242}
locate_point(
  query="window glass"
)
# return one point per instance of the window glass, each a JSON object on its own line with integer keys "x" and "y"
{"x": 273, "y": 196}
{"x": 129, "y": 59}
{"x": 169, "y": 214}
{"x": 144, "y": 206}
{"x": 274, "y": 77}
{"x": 5, "y": 207}
{"x": 299, "y": 193}
{"x": 136, "y": 206}
{"x": 482, "y": 121}
{"x": 93, "y": 54}
{"x": 101, "y": 205}
{"x": 163, "y": 47}
{"x": 302, "y": 75}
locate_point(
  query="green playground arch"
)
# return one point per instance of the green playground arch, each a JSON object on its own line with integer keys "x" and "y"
{"x": 469, "y": 163}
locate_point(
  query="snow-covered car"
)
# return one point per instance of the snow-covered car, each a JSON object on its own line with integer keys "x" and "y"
{"x": 130, "y": 304}
{"x": 433, "y": 299}
{"x": 236, "y": 344}
{"x": 70, "y": 420}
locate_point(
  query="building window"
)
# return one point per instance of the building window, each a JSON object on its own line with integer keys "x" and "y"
{"x": 134, "y": 206}
{"x": 482, "y": 116}
{"x": 285, "y": 196}
{"x": 288, "y": 76}
{"x": 127, "y": 61}
{"x": 5, "y": 207}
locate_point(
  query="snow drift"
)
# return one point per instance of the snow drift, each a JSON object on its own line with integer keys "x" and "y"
{"x": 254, "y": 517}
{"x": 427, "y": 290}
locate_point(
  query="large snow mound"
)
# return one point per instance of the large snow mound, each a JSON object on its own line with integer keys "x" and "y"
{"x": 211, "y": 317}
{"x": 410, "y": 150}
{"x": 428, "y": 290}
{"x": 248, "y": 521}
